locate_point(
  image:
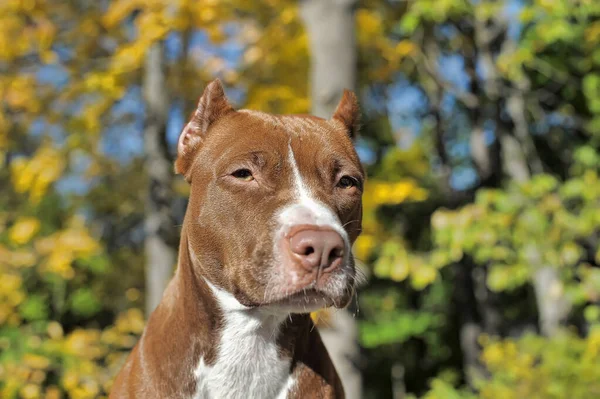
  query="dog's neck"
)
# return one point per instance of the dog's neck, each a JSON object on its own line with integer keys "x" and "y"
{"x": 232, "y": 349}
{"x": 250, "y": 357}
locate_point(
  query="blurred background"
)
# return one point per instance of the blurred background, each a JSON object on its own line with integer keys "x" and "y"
{"x": 480, "y": 135}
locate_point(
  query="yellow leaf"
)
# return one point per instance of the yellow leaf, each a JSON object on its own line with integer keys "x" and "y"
{"x": 118, "y": 11}
{"x": 422, "y": 276}
{"x": 20, "y": 258}
{"x": 592, "y": 34}
{"x": 405, "y": 47}
{"x": 207, "y": 15}
{"x": 21, "y": 94}
{"x": 30, "y": 391}
{"x": 70, "y": 380}
{"x": 364, "y": 245}
{"x": 216, "y": 34}
{"x": 132, "y": 294}
{"x": 369, "y": 23}
{"x": 53, "y": 392}
{"x": 131, "y": 321}
{"x": 55, "y": 330}
{"x": 23, "y": 230}
{"x": 36, "y": 361}
{"x": 59, "y": 263}
{"x": 38, "y": 173}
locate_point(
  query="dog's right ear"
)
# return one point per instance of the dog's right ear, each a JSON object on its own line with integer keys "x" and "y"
{"x": 212, "y": 105}
{"x": 348, "y": 113}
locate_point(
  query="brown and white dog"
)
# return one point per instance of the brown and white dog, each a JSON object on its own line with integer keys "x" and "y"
{"x": 274, "y": 208}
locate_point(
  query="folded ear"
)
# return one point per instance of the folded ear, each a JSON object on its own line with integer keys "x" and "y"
{"x": 213, "y": 104}
{"x": 348, "y": 113}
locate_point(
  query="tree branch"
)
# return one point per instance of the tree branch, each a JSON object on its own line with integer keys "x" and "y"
{"x": 430, "y": 60}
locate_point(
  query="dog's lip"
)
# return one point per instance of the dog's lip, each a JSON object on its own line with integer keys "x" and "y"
{"x": 305, "y": 296}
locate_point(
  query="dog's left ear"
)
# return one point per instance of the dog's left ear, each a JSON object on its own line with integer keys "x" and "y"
{"x": 348, "y": 113}
{"x": 213, "y": 104}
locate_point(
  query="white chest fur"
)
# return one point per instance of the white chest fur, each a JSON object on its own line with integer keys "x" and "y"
{"x": 248, "y": 365}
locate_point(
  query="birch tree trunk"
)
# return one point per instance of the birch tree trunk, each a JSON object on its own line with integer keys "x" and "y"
{"x": 553, "y": 306}
{"x": 519, "y": 156}
{"x": 159, "y": 248}
{"x": 331, "y": 30}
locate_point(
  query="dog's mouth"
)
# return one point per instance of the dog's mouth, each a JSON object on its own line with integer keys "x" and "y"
{"x": 307, "y": 300}
{"x": 308, "y": 296}
{"x": 304, "y": 295}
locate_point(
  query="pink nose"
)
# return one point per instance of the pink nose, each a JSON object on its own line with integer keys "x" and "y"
{"x": 317, "y": 249}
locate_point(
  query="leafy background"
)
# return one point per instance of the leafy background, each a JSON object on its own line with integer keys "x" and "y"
{"x": 481, "y": 138}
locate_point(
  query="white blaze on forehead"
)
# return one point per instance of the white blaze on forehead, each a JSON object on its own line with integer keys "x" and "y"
{"x": 301, "y": 190}
{"x": 305, "y": 209}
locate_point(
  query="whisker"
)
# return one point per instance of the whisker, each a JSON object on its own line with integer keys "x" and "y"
{"x": 326, "y": 323}
{"x": 273, "y": 332}
{"x": 351, "y": 221}
{"x": 357, "y": 309}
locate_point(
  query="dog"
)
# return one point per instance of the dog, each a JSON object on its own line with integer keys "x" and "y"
{"x": 275, "y": 205}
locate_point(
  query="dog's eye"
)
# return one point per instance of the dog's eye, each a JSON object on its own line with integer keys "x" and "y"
{"x": 243, "y": 174}
{"x": 347, "y": 182}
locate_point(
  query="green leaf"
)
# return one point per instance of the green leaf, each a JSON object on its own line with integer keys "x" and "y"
{"x": 409, "y": 23}
{"x": 84, "y": 303}
{"x": 591, "y": 89}
{"x": 34, "y": 308}
{"x": 95, "y": 264}
{"x": 507, "y": 277}
{"x": 422, "y": 276}
{"x": 587, "y": 156}
{"x": 397, "y": 329}
{"x": 592, "y": 313}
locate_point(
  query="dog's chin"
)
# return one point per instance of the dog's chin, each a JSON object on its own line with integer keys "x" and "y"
{"x": 308, "y": 300}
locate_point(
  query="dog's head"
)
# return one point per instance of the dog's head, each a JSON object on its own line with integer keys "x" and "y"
{"x": 275, "y": 202}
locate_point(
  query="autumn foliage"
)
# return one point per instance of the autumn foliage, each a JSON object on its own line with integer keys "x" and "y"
{"x": 455, "y": 241}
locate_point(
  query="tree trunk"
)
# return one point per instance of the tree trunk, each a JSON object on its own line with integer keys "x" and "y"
{"x": 159, "y": 248}
{"x": 468, "y": 317}
{"x": 331, "y": 30}
{"x": 513, "y": 159}
{"x": 553, "y": 307}
{"x": 330, "y": 25}
{"x": 518, "y": 154}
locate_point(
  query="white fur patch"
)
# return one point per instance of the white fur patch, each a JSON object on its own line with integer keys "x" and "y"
{"x": 307, "y": 210}
{"x": 248, "y": 365}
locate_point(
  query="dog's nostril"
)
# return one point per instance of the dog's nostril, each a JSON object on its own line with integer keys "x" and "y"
{"x": 335, "y": 253}
{"x": 309, "y": 250}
